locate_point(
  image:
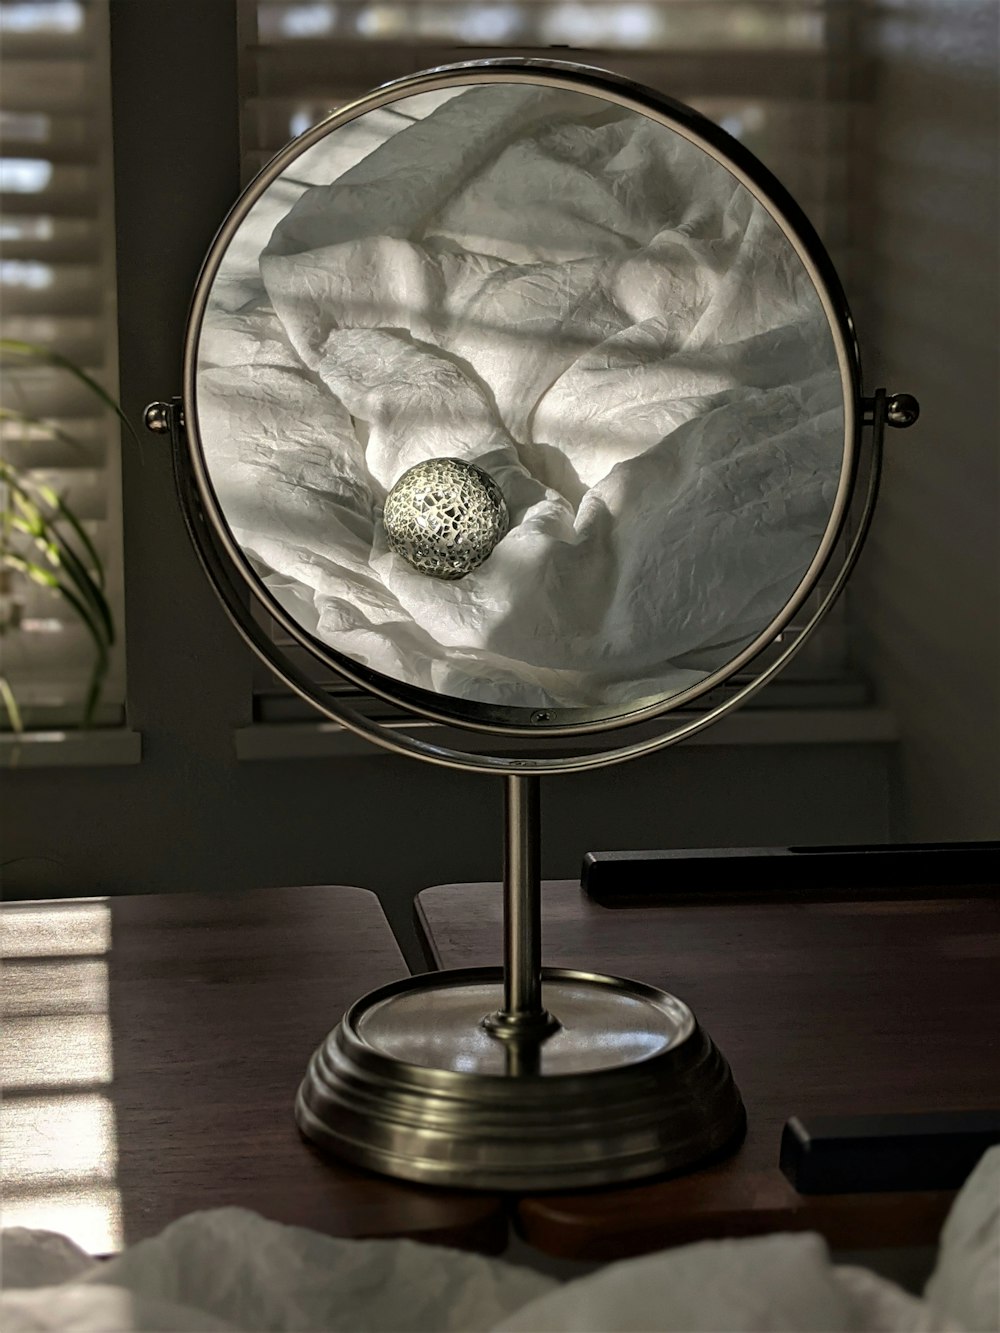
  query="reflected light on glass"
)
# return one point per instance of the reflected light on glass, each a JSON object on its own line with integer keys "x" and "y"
{"x": 634, "y": 25}
{"x": 488, "y": 23}
{"x": 26, "y": 273}
{"x": 26, "y": 229}
{"x": 24, "y": 175}
{"x": 300, "y": 122}
{"x": 592, "y": 25}
{"x": 42, "y": 625}
{"x": 317, "y": 20}
{"x": 742, "y": 122}
{"x": 25, "y": 126}
{"x": 44, "y": 16}
{"x": 380, "y": 21}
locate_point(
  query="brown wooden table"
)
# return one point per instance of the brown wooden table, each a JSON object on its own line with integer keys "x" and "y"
{"x": 820, "y": 1007}
{"x": 152, "y": 1046}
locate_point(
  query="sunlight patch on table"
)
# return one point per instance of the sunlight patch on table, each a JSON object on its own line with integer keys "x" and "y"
{"x": 58, "y": 1133}
{"x": 56, "y": 1050}
{"x": 90, "y": 1216}
{"x": 54, "y": 986}
{"x": 56, "y": 929}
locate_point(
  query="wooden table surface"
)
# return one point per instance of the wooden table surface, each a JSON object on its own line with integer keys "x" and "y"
{"x": 820, "y": 1008}
{"x": 152, "y": 1046}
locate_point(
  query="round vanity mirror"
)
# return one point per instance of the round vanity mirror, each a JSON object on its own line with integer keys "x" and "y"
{"x": 523, "y": 398}
{"x": 526, "y": 399}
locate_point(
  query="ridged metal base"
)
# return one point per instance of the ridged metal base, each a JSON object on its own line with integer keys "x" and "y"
{"x": 412, "y": 1084}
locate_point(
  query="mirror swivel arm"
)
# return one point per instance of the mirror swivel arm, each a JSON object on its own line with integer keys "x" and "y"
{"x": 899, "y": 410}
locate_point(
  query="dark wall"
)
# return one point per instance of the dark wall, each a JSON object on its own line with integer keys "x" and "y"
{"x": 929, "y": 585}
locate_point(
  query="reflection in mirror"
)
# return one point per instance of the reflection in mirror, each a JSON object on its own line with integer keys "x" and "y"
{"x": 582, "y": 304}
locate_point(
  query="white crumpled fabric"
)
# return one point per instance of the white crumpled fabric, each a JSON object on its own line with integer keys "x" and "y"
{"x": 232, "y": 1270}
{"x": 582, "y": 303}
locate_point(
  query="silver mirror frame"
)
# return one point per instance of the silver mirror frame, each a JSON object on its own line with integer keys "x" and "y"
{"x": 553, "y": 723}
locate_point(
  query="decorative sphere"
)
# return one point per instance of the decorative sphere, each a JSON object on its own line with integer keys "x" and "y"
{"x": 444, "y": 517}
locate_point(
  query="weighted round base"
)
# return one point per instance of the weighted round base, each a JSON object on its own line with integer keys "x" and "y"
{"x": 412, "y": 1084}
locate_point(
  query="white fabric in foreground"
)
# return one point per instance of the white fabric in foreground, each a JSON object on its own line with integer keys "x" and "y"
{"x": 582, "y": 303}
{"x": 232, "y": 1270}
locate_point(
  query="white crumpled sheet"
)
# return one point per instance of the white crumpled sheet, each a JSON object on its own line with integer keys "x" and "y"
{"x": 582, "y": 303}
{"x": 232, "y": 1270}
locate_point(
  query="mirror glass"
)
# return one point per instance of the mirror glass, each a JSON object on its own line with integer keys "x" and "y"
{"x": 597, "y": 322}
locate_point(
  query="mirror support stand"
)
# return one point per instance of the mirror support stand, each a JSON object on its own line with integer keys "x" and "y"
{"x": 523, "y": 1016}
{"x": 522, "y": 954}
{"x": 531, "y": 1106}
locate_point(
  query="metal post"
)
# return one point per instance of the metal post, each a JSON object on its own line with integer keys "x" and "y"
{"x": 522, "y": 1018}
{"x": 522, "y": 906}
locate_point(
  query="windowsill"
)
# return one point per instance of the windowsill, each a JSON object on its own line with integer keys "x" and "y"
{"x": 817, "y": 726}
{"x": 70, "y": 749}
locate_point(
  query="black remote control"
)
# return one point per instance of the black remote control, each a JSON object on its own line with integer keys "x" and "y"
{"x": 856, "y": 1154}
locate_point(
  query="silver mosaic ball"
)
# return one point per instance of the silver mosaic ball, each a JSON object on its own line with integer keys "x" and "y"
{"x": 444, "y": 517}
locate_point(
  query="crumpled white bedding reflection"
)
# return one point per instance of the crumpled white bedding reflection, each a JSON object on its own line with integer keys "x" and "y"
{"x": 582, "y": 303}
{"x": 235, "y": 1272}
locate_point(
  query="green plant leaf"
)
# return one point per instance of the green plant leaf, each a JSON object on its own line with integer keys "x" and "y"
{"x": 75, "y": 569}
{"x": 94, "y": 689}
{"x": 39, "y": 541}
{"x": 67, "y": 515}
{"x": 26, "y": 419}
{"x": 9, "y": 701}
{"x": 60, "y": 557}
{"x": 40, "y": 514}
{"x": 34, "y": 352}
{"x": 83, "y": 611}
{"x": 42, "y": 528}
{"x": 43, "y": 577}
{"x": 32, "y": 521}
{"x": 63, "y": 511}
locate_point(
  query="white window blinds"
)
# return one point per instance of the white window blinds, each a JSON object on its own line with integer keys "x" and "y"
{"x": 784, "y": 76}
{"x": 57, "y": 285}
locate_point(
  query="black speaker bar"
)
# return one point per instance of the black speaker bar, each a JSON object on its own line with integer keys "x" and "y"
{"x": 760, "y": 874}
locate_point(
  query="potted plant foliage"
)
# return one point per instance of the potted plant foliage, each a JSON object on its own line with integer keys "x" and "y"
{"x": 44, "y": 541}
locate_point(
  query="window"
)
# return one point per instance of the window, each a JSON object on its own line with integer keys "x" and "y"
{"x": 57, "y": 290}
{"x": 782, "y": 77}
